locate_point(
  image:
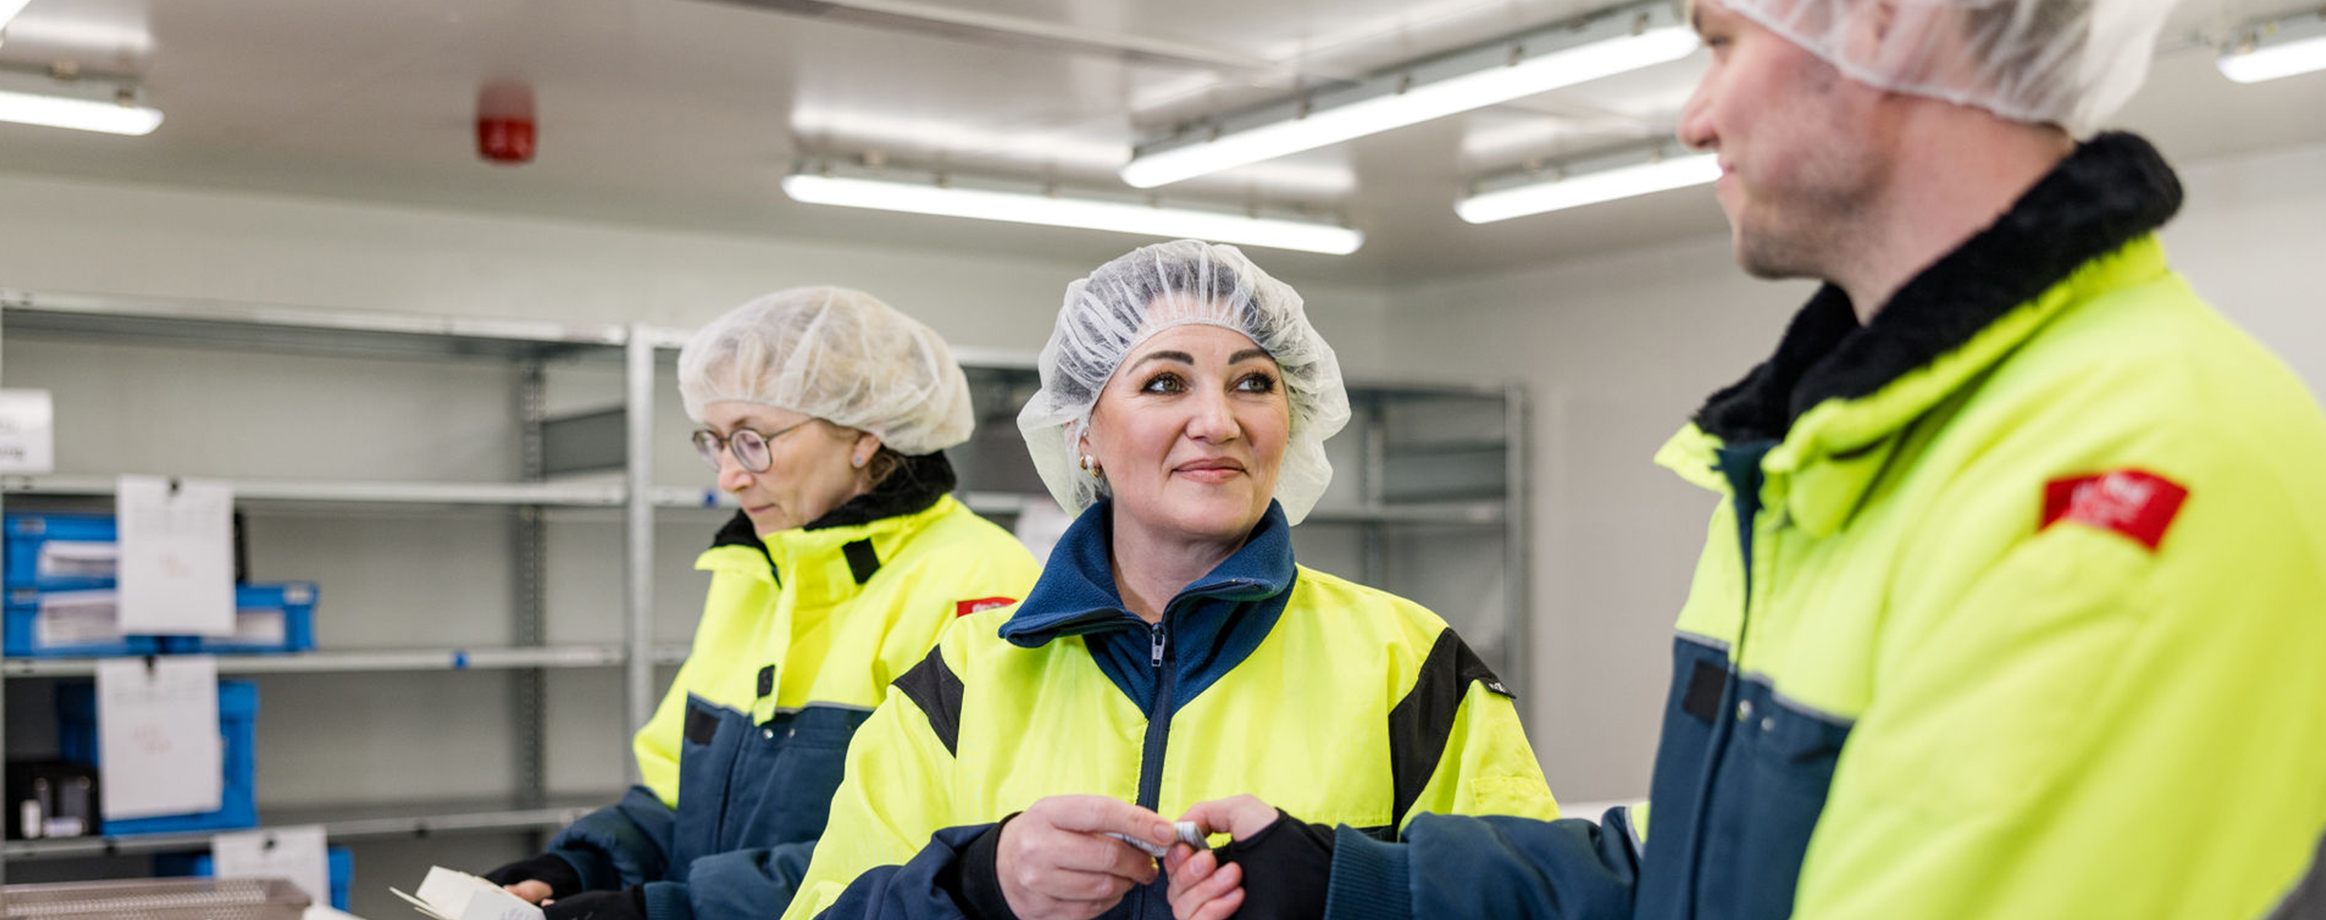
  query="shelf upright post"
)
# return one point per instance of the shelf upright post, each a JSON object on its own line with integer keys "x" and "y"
{"x": 1517, "y": 556}
{"x": 4, "y": 298}
{"x": 638, "y": 529}
{"x": 1372, "y": 480}
{"x": 529, "y": 549}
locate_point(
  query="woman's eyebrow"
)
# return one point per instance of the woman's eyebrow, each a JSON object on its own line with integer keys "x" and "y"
{"x": 1247, "y": 355}
{"x": 1179, "y": 356}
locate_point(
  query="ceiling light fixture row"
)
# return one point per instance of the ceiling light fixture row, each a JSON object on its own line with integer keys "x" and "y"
{"x": 1601, "y": 44}
{"x": 1020, "y": 201}
{"x": 1604, "y": 176}
{"x": 2274, "y": 48}
{"x": 64, "y": 98}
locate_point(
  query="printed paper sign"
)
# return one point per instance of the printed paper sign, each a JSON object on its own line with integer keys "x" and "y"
{"x": 27, "y": 432}
{"x": 157, "y": 736}
{"x": 177, "y": 557}
{"x": 294, "y": 854}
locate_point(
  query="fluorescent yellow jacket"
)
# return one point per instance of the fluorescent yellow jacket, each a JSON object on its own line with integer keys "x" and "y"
{"x": 2013, "y": 607}
{"x": 799, "y": 640}
{"x": 1339, "y": 702}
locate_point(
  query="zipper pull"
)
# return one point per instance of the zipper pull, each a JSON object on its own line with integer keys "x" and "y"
{"x": 1155, "y": 645}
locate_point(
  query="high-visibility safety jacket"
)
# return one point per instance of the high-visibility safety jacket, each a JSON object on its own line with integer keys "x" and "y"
{"x": 2014, "y": 607}
{"x": 799, "y": 640}
{"x": 1342, "y": 701}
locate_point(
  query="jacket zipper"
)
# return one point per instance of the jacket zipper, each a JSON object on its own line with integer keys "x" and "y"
{"x": 1747, "y": 497}
{"x": 1158, "y": 732}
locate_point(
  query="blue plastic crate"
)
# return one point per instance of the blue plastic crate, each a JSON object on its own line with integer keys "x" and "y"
{"x": 277, "y": 617}
{"x": 67, "y": 624}
{"x": 175, "y": 865}
{"x": 60, "y": 551}
{"x": 237, "y": 722}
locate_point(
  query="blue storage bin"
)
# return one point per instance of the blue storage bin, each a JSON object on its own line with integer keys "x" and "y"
{"x": 237, "y": 722}
{"x": 67, "y": 624}
{"x": 276, "y": 617}
{"x": 175, "y": 865}
{"x": 60, "y": 551}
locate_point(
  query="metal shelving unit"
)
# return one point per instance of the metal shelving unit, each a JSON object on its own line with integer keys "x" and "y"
{"x": 528, "y": 345}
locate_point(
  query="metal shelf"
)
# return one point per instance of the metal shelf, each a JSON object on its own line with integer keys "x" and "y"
{"x": 340, "y": 823}
{"x": 980, "y": 502}
{"x": 320, "y": 490}
{"x": 303, "y": 329}
{"x": 363, "y": 660}
{"x": 1479, "y": 513}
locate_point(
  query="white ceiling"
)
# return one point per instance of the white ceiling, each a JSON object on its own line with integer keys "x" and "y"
{"x": 686, "y": 112}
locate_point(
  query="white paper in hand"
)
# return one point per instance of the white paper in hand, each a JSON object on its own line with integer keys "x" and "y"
{"x": 157, "y": 736}
{"x": 449, "y": 894}
{"x": 177, "y": 557}
{"x": 295, "y": 854}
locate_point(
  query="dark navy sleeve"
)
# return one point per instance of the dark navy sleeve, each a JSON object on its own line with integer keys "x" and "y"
{"x": 623, "y": 844}
{"x": 917, "y": 890}
{"x": 1450, "y": 867}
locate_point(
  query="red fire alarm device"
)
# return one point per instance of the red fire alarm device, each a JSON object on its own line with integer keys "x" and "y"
{"x": 505, "y": 122}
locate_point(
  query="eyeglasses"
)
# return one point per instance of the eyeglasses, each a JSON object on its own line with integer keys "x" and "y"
{"x": 748, "y": 446}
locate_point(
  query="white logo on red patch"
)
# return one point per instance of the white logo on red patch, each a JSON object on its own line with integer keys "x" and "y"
{"x": 965, "y": 608}
{"x": 2135, "y": 503}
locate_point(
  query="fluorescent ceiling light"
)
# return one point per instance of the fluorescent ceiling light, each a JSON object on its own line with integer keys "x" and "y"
{"x": 1612, "y": 43}
{"x": 1082, "y": 213}
{"x": 9, "y": 9}
{"x": 85, "y": 105}
{"x": 2283, "y": 48}
{"x": 1577, "y": 190}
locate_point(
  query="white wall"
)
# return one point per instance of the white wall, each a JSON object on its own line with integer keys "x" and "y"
{"x": 1620, "y": 350}
{"x": 63, "y": 235}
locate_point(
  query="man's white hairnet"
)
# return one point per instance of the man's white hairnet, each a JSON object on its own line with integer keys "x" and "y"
{"x": 2072, "y": 63}
{"x": 836, "y": 354}
{"x": 1108, "y": 315}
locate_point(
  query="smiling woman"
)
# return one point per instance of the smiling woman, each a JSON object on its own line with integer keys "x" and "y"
{"x": 1172, "y": 651}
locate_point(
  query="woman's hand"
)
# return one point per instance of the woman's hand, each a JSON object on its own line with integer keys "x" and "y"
{"x": 532, "y": 890}
{"x": 1055, "y": 862}
{"x": 1201, "y": 888}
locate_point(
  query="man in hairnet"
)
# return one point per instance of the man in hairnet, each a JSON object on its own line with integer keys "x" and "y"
{"x": 2014, "y": 601}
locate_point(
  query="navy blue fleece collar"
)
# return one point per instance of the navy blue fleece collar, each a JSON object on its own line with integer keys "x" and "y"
{"x": 1212, "y": 624}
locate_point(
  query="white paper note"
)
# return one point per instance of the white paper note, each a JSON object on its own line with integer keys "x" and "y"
{"x": 157, "y": 736}
{"x": 294, "y": 854}
{"x": 449, "y": 894}
{"x": 27, "y": 432}
{"x": 177, "y": 557}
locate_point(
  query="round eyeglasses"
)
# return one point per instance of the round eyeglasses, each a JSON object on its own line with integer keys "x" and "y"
{"x": 749, "y": 447}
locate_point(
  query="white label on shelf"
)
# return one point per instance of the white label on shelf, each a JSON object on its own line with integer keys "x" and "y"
{"x": 28, "y": 818}
{"x": 78, "y": 559}
{"x": 177, "y": 557}
{"x": 261, "y": 626}
{"x": 294, "y": 854}
{"x": 27, "y": 432}
{"x": 77, "y": 618}
{"x": 159, "y": 749}
{"x": 67, "y": 826}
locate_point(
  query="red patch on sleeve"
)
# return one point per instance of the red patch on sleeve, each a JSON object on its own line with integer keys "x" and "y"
{"x": 965, "y": 608}
{"x": 2130, "y": 502}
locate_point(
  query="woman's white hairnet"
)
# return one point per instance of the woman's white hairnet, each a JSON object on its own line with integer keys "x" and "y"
{"x": 836, "y": 354}
{"x": 1107, "y": 316}
{"x": 2072, "y": 63}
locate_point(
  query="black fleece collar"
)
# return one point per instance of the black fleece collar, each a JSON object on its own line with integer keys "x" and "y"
{"x": 910, "y": 490}
{"x": 2109, "y": 192}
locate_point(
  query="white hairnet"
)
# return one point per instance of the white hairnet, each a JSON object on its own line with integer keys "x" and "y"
{"x": 835, "y": 354}
{"x": 2072, "y": 63}
{"x": 1108, "y": 314}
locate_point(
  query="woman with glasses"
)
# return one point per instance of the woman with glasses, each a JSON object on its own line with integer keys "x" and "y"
{"x": 826, "y": 414}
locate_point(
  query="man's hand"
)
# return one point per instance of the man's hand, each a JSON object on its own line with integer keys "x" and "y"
{"x": 532, "y": 890}
{"x": 1055, "y": 862}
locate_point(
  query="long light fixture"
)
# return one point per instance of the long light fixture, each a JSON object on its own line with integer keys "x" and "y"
{"x": 1589, "y": 182}
{"x": 946, "y": 198}
{"x": 2278, "y": 48}
{"x": 9, "y": 9}
{"x": 1612, "y": 42}
{"x": 84, "y": 104}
